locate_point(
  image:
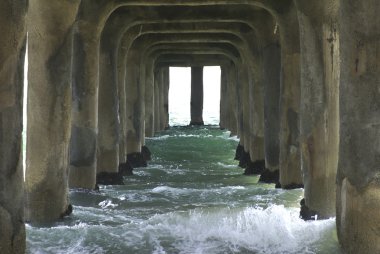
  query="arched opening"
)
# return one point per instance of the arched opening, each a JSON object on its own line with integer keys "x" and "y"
{"x": 180, "y": 90}
{"x": 179, "y": 96}
{"x": 211, "y": 86}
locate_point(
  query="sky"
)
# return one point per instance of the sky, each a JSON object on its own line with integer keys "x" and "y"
{"x": 179, "y": 95}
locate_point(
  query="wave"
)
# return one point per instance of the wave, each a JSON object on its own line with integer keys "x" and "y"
{"x": 226, "y": 165}
{"x": 272, "y": 230}
{"x": 171, "y": 190}
{"x": 163, "y": 137}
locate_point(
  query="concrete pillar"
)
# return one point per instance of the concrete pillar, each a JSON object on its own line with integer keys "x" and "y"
{"x": 224, "y": 102}
{"x": 12, "y": 53}
{"x": 149, "y": 100}
{"x": 108, "y": 112}
{"x": 232, "y": 94}
{"x": 358, "y": 187}
{"x": 256, "y": 118}
{"x": 122, "y": 111}
{"x": 135, "y": 92}
{"x": 243, "y": 115}
{"x": 246, "y": 109}
{"x": 290, "y": 168}
{"x": 83, "y": 144}
{"x": 196, "y": 104}
{"x": 157, "y": 77}
{"x": 166, "y": 97}
{"x": 161, "y": 100}
{"x": 162, "y": 91}
{"x": 320, "y": 70}
{"x": 239, "y": 103}
{"x": 271, "y": 78}
{"x": 49, "y": 108}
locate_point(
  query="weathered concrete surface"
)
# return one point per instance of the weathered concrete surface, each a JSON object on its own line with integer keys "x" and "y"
{"x": 164, "y": 115}
{"x": 228, "y": 103}
{"x": 224, "y": 99}
{"x": 149, "y": 99}
{"x": 358, "y": 190}
{"x": 49, "y": 108}
{"x": 196, "y": 99}
{"x": 290, "y": 168}
{"x": 161, "y": 94}
{"x": 271, "y": 69}
{"x": 12, "y": 52}
{"x": 157, "y": 87}
{"x": 232, "y": 92}
{"x": 256, "y": 109}
{"x": 320, "y": 70}
{"x": 108, "y": 109}
{"x": 83, "y": 144}
{"x": 135, "y": 104}
{"x": 244, "y": 110}
{"x": 272, "y": 66}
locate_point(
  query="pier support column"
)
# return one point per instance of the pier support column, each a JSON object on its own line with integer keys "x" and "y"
{"x": 135, "y": 92}
{"x": 358, "y": 190}
{"x": 243, "y": 109}
{"x": 157, "y": 77}
{"x": 290, "y": 166}
{"x": 196, "y": 104}
{"x": 272, "y": 70}
{"x": 12, "y": 55}
{"x": 160, "y": 99}
{"x": 224, "y": 102}
{"x": 239, "y": 106}
{"x": 319, "y": 111}
{"x": 256, "y": 116}
{"x": 166, "y": 84}
{"x": 108, "y": 113}
{"x": 122, "y": 109}
{"x": 232, "y": 99}
{"x": 149, "y": 100}
{"x": 49, "y": 108}
{"x": 83, "y": 144}
{"x": 246, "y": 108}
{"x": 164, "y": 122}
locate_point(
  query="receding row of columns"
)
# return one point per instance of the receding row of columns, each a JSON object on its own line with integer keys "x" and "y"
{"x": 300, "y": 88}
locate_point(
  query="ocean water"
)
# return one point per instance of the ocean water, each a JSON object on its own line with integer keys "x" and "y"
{"x": 192, "y": 198}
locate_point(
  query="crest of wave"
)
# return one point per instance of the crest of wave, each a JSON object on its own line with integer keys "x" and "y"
{"x": 251, "y": 230}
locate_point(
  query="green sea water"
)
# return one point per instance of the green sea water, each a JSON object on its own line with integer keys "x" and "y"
{"x": 192, "y": 198}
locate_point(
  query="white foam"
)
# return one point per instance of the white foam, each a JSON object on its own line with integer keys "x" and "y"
{"x": 67, "y": 240}
{"x": 141, "y": 172}
{"x": 134, "y": 197}
{"x": 235, "y": 138}
{"x": 170, "y": 190}
{"x": 234, "y": 188}
{"x": 225, "y": 165}
{"x": 107, "y": 203}
{"x": 163, "y": 137}
{"x": 272, "y": 230}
